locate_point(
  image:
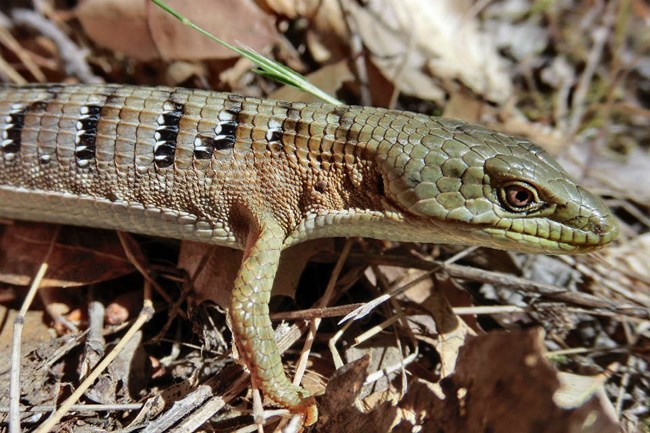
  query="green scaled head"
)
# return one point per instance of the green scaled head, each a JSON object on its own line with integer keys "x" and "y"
{"x": 477, "y": 186}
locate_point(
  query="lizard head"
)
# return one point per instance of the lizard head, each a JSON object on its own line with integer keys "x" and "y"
{"x": 483, "y": 187}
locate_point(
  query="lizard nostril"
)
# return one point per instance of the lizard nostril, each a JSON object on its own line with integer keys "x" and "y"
{"x": 605, "y": 227}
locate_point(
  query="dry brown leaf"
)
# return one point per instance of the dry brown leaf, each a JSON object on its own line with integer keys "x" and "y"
{"x": 626, "y": 177}
{"x": 327, "y": 35}
{"x": 463, "y": 106}
{"x": 80, "y": 257}
{"x": 329, "y": 78}
{"x": 631, "y": 256}
{"x": 117, "y": 24}
{"x": 453, "y": 332}
{"x": 217, "y": 277}
{"x": 420, "y": 44}
{"x": 421, "y": 47}
{"x": 143, "y": 31}
{"x": 339, "y": 411}
{"x": 384, "y": 354}
{"x": 576, "y": 390}
{"x": 179, "y": 72}
{"x": 502, "y": 384}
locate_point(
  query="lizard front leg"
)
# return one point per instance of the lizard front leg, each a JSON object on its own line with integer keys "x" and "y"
{"x": 251, "y": 324}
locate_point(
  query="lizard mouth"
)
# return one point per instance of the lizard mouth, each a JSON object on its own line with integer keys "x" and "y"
{"x": 581, "y": 241}
{"x": 581, "y": 234}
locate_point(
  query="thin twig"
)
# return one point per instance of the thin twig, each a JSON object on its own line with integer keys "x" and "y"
{"x": 501, "y": 279}
{"x": 145, "y": 315}
{"x": 7, "y": 39}
{"x": 324, "y": 300}
{"x": 600, "y": 36}
{"x": 74, "y": 58}
{"x": 398, "y": 287}
{"x": 136, "y": 258}
{"x": 356, "y": 48}
{"x": 78, "y": 408}
{"x": 19, "y": 322}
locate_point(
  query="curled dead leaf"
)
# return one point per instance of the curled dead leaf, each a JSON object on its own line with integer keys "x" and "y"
{"x": 143, "y": 31}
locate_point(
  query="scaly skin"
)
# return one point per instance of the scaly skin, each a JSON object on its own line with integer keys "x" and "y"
{"x": 261, "y": 175}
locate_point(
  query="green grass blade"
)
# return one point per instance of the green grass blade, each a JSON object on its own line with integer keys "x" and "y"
{"x": 267, "y": 67}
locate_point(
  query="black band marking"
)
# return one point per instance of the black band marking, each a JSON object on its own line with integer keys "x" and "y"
{"x": 12, "y": 130}
{"x": 225, "y": 131}
{"x": 166, "y": 134}
{"x": 275, "y": 131}
{"x": 226, "y": 127}
{"x": 234, "y": 103}
{"x": 14, "y": 124}
{"x": 84, "y": 150}
{"x": 274, "y": 136}
{"x": 205, "y": 146}
{"x": 224, "y": 142}
{"x": 39, "y": 106}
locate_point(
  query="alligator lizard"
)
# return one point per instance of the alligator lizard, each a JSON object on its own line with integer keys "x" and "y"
{"x": 261, "y": 175}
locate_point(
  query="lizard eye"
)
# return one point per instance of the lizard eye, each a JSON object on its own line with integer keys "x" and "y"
{"x": 519, "y": 197}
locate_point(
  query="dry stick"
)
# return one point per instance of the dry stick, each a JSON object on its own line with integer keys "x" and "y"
{"x": 324, "y": 300}
{"x": 504, "y": 280}
{"x": 398, "y": 287}
{"x": 19, "y": 322}
{"x": 293, "y": 426}
{"x": 7, "y": 39}
{"x": 625, "y": 382}
{"x": 336, "y": 356}
{"x": 208, "y": 408}
{"x": 258, "y": 411}
{"x": 95, "y": 345}
{"x": 488, "y": 309}
{"x": 399, "y": 316}
{"x": 181, "y": 409}
{"x": 356, "y": 48}
{"x": 144, "y": 316}
{"x": 599, "y": 37}
{"x": 74, "y": 58}
{"x": 8, "y": 72}
{"x": 188, "y": 286}
{"x": 315, "y": 313}
{"x": 14, "y": 384}
{"x": 134, "y": 257}
{"x": 79, "y": 407}
{"x": 201, "y": 404}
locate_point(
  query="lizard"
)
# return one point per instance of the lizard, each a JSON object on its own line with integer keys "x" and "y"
{"x": 261, "y": 175}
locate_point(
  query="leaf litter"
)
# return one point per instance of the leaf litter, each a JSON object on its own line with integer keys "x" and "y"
{"x": 478, "y": 341}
